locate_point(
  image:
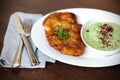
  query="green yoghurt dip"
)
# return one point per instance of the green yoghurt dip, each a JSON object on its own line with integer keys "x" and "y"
{"x": 102, "y": 35}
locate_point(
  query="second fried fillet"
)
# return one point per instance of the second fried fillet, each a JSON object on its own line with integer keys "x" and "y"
{"x": 63, "y": 33}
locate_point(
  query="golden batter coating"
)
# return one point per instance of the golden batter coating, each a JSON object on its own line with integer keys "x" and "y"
{"x": 63, "y": 33}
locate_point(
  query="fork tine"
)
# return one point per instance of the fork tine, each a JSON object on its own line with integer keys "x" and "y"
{"x": 27, "y": 25}
{"x": 30, "y": 23}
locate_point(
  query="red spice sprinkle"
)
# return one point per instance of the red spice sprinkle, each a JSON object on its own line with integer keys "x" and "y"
{"x": 110, "y": 35}
{"x": 105, "y": 29}
{"x": 87, "y": 30}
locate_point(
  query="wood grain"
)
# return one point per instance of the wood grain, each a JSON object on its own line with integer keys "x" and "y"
{"x": 57, "y": 71}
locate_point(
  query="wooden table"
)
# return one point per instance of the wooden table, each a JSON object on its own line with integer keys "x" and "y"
{"x": 57, "y": 71}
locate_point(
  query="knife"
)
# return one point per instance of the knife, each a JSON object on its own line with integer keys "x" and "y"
{"x": 17, "y": 58}
{"x": 19, "y": 28}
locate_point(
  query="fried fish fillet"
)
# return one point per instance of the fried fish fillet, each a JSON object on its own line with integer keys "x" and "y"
{"x": 63, "y": 33}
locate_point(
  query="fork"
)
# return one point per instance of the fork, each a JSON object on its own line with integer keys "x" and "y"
{"x": 27, "y": 25}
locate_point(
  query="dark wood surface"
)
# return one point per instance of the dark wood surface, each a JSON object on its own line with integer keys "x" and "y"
{"x": 57, "y": 71}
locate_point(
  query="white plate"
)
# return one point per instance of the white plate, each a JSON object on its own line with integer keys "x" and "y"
{"x": 89, "y": 58}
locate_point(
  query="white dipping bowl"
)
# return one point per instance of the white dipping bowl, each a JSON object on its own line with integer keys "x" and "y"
{"x": 98, "y": 51}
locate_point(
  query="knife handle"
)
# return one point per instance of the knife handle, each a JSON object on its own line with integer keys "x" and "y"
{"x": 17, "y": 59}
{"x": 33, "y": 59}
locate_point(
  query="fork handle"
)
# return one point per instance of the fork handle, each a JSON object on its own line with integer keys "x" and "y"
{"x": 33, "y": 59}
{"x": 17, "y": 59}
